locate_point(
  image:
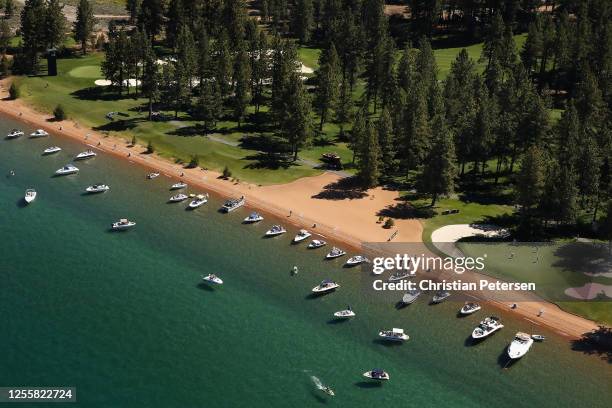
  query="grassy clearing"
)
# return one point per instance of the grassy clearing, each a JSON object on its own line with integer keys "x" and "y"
{"x": 552, "y": 267}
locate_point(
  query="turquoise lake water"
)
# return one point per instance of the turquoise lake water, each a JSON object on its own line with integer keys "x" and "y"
{"x": 123, "y": 318}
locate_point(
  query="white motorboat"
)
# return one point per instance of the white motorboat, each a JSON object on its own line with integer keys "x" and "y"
{"x": 153, "y": 175}
{"x": 316, "y": 243}
{"x": 399, "y": 276}
{"x": 123, "y": 224}
{"x": 335, "y": 253}
{"x": 469, "y": 308}
{"x": 538, "y": 337}
{"x": 52, "y": 149}
{"x": 440, "y": 296}
{"x": 212, "y": 278}
{"x": 232, "y": 204}
{"x": 410, "y": 296}
{"x": 275, "y": 230}
{"x": 487, "y": 327}
{"x": 199, "y": 201}
{"x": 14, "y": 134}
{"x": 97, "y": 188}
{"x": 301, "y": 235}
{"x": 377, "y": 374}
{"x": 87, "y": 154}
{"x": 325, "y": 286}
{"x": 253, "y": 217}
{"x": 345, "y": 314}
{"x": 178, "y": 186}
{"x": 520, "y": 345}
{"x": 30, "y": 195}
{"x": 177, "y": 198}
{"x": 394, "y": 334}
{"x": 39, "y": 133}
{"x": 67, "y": 169}
{"x": 356, "y": 260}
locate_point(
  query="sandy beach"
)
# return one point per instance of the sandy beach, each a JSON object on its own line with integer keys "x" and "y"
{"x": 313, "y": 203}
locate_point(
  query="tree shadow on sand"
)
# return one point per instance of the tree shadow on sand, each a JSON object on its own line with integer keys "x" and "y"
{"x": 597, "y": 342}
{"x": 348, "y": 187}
{"x": 405, "y": 210}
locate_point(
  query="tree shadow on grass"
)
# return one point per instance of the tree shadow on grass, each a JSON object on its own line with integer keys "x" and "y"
{"x": 99, "y": 93}
{"x": 581, "y": 257}
{"x": 189, "y": 131}
{"x": 348, "y": 187}
{"x": 269, "y": 161}
{"x": 597, "y": 342}
{"x": 264, "y": 143}
{"x": 119, "y": 125}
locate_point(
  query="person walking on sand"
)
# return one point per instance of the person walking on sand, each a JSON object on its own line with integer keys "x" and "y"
{"x": 290, "y": 213}
{"x": 541, "y": 312}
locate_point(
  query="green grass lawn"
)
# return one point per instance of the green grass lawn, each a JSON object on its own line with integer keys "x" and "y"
{"x": 553, "y": 268}
{"x": 74, "y": 88}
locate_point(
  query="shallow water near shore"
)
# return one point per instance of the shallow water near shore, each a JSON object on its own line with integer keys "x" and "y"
{"x": 123, "y": 318}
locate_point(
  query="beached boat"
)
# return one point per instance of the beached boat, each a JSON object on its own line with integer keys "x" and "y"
{"x": 377, "y": 374}
{"x": 39, "y": 133}
{"x": 67, "y": 169}
{"x": 316, "y": 243}
{"x": 325, "y": 286}
{"x": 440, "y": 296}
{"x": 301, "y": 235}
{"x": 275, "y": 230}
{"x": 345, "y": 314}
{"x": 232, "y": 204}
{"x": 397, "y": 276}
{"x": 153, "y": 175}
{"x": 394, "y": 334}
{"x": 212, "y": 278}
{"x": 30, "y": 195}
{"x": 97, "y": 188}
{"x": 87, "y": 154}
{"x": 469, "y": 308}
{"x": 538, "y": 337}
{"x": 14, "y": 134}
{"x": 356, "y": 260}
{"x": 520, "y": 345}
{"x": 177, "y": 198}
{"x": 52, "y": 149}
{"x": 178, "y": 186}
{"x": 199, "y": 201}
{"x": 253, "y": 217}
{"x": 122, "y": 224}
{"x": 410, "y": 296}
{"x": 487, "y": 327}
{"x": 335, "y": 253}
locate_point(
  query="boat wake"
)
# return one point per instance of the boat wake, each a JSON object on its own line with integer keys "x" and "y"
{"x": 321, "y": 386}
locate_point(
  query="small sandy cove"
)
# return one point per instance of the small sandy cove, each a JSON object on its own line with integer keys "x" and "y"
{"x": 308, "y": 202}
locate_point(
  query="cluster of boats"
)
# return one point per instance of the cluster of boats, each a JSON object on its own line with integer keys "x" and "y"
{"x": 15, "y": 133}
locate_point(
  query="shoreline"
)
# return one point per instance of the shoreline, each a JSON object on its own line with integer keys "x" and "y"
{"x": 294, "y": 203}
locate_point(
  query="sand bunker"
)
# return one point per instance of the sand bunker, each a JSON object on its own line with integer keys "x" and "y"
{"x": 453, "y": 233}
{"x": 589, "y": 291}
{"x": 306, "y": 70}
{"x": 106, "y": 82}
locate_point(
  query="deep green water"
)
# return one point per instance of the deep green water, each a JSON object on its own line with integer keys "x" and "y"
{"x": 121, "y": 316}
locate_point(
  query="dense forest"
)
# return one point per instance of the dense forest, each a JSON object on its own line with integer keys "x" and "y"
{"x": 377, "y": 80}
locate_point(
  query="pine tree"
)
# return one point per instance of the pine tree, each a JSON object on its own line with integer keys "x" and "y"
{"x": 133, "y": 9}
{"x": 5, "y": 36}
{"x": 344, "y": 108}
{"x": 55, "y": 24}
{"x": 369, "y": 163}
{"x": 303, "y": 20}
{"x": 175, "y": 21}
{"x": 439, "y": 172}
{"x": 242, "y": 91}
{"x": 328, "y": 83}
{"x": 295, "y": 123}
{"x": 209, "y": 104}
{"x": 150, "y": 75}
{"x": 530, "y": 180}
{"x": 223, "y": 64}
{"x": 532, "y": 49}
{"x": 359, "y": 133}
{"x": 151, "y": 16}
{"x": 84, "y": 24}
{"x": 33, "y": 34}
{"x": 187, "y": 53}
{"x": 9, "y": 9}
{"x": 386, "y": 142}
